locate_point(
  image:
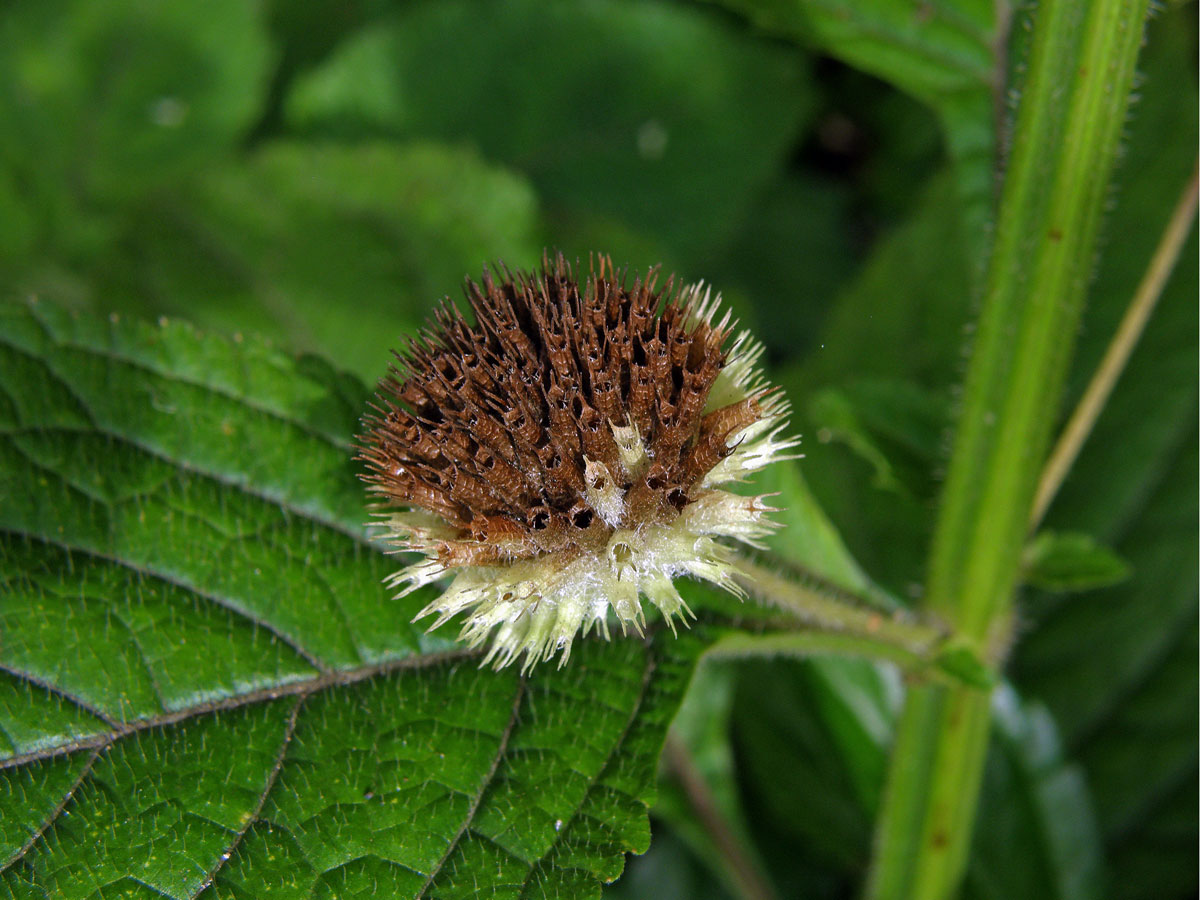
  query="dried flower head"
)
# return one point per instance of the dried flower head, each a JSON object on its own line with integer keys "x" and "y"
{"x": 565, "y": 455}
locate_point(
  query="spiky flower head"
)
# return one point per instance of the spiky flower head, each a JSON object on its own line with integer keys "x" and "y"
{"x": 565, "y": 456}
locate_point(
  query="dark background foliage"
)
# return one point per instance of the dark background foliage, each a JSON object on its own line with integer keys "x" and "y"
{"x": 323, "y": 172}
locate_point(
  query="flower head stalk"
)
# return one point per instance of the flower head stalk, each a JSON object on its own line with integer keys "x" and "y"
{"x": 565, "y": 457}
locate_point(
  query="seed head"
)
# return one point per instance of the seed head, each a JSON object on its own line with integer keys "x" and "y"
{"x": 564, "y": 456}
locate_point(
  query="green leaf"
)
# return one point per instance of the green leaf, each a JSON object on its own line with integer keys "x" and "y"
{"x": 650, "y": 116}
{"x": 807, "y": 538}
{"x": 811, "y": 739}
{"x": 1072, "y": 562}
{"x": 306, "y": 32}
{"x": 1129, "y": 713}
{"x": 203, "y": 683}
{"x": 837, "y": 420}
{"x": 943, "y": 54}
{"x": 894, "y": 426}
{"x": 905, "y": 315}
{"x": 104, "y": 203}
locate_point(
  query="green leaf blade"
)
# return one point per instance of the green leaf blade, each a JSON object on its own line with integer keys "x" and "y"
{"x": 1072, "y": 562}
{"x": 204, "y": 685}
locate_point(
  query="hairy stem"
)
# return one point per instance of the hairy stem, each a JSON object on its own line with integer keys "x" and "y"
{"x": 806, "y": 643}
{"x": 838, "y": 624}
{"x": 1083, "y": 419}
{"x": 1065, "y": 140}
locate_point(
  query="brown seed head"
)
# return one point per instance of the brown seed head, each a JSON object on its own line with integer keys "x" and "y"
{"x": 563, "y": 455}
{"x": 509, "y": 429}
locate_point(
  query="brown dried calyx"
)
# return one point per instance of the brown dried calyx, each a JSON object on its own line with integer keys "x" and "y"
{"x": 573, "y": 407}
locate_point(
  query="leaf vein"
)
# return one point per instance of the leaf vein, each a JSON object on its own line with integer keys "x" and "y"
{"x": 272, "y": 776}
{"x": 501, "y": 749}
{"x": 43, "y": 827}
{"x": 88, "y": 412}
{"x": 59, "y": 691}
{"x": 305, "y": 688}
{"x": 38, "y": 466}
{"x": 594, "y": 781}
{"x": 175, "y": 581}
{"x": 136, "y": 641}
{"x": 241, "y": 485}
{"x": 176, "y": 377}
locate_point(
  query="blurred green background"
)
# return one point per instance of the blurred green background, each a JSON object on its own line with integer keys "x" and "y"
{"x": 323, "y": 172}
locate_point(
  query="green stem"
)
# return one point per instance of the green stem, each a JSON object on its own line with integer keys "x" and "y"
{"x": 923, "y": 836}
{"x": 1083, "y": 419}
{"x": 832, "y": 624}
{"x": 1066, "y": 136}
{"x": 740, "y": 645}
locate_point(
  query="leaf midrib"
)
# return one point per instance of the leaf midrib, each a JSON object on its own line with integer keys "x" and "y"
{"x": 302, "y": 688}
